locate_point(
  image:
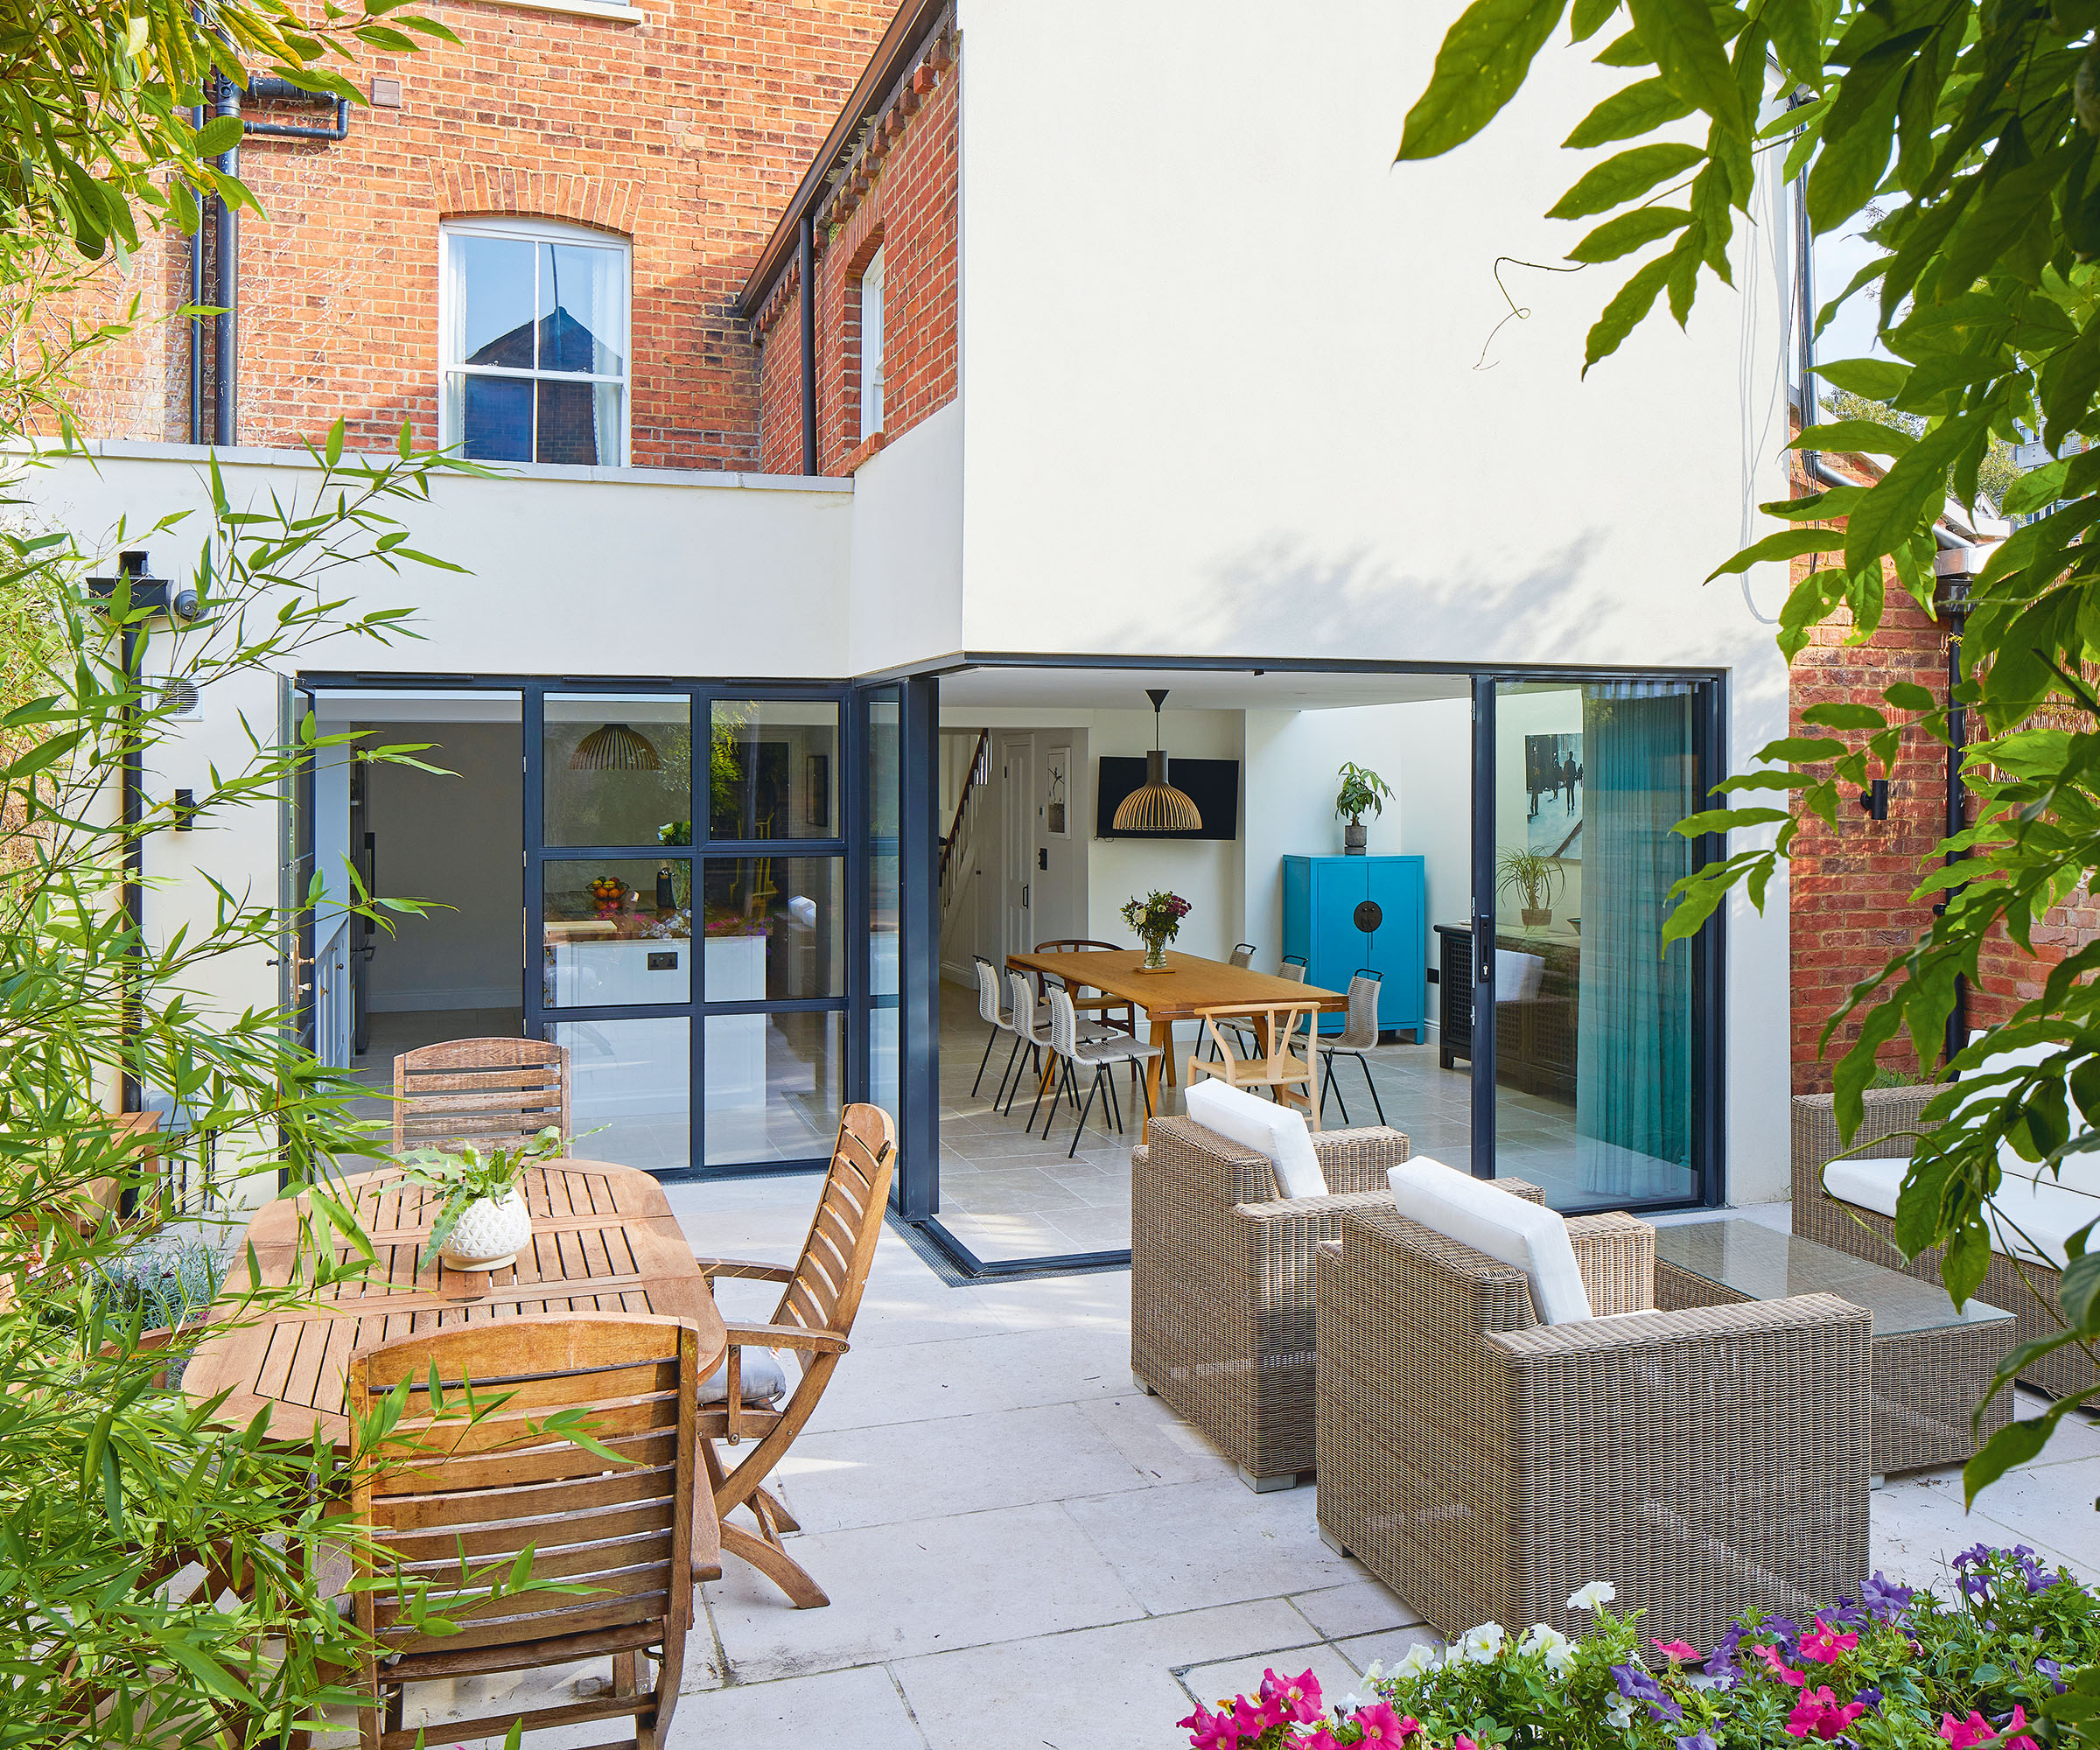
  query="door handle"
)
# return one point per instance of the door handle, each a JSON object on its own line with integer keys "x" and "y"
{"x": 1024, "y": 896}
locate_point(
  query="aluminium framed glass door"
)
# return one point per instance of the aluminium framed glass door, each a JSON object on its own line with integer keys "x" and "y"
{"x": 687, "y": 902}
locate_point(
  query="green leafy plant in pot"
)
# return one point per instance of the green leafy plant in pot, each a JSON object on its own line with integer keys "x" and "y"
{"x": 1535, "y": 877}
{"x": 1361, "y": 790}
{"x": 481, "y": 1222}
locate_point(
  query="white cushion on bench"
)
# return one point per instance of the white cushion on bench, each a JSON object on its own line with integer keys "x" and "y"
{"x": 1533, "y": 1238}
{"x": 2048, "y": 1214}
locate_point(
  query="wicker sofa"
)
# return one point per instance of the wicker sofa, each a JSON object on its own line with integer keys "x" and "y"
{"x": 1221, "y": 1284}
{"x": 1854, "y": 1212}
{"x": 1484, "y": 1465}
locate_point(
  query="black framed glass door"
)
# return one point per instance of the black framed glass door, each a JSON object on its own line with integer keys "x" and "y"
{"x": 689, "y": 901}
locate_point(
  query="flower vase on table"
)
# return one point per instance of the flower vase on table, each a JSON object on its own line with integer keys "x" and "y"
{"x": 1157, "y": 919}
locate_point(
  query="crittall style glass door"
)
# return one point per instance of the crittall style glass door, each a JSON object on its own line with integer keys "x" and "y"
{"x": 689, "y": 902}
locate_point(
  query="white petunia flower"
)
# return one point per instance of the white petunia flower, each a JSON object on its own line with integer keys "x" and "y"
{"x": 1350, "y": 1704}
{"x": 1597, "y": 1593}
{"x": 1418, "y": 1660}
{"x": 1480, "y": 1646}
{"x": 1375, "y": 1671}
{"x": 1559, "y": 1651}
{"x": 1620, "y": 1714}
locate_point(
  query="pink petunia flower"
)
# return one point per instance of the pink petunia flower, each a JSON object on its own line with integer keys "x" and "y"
{"x": 1462, "y": 1742}
{"x": 1964, "y": 1734}
{"x": 1677, "y": 1653}
{"x": 1778, "y": 1666}
{"x": 1823, "y": 1643}
{"x": 2015, "y": 1738}
{"x": 1321, "y": 1739}
{"x": 1299, "y": 1697}
{"x": 1817, "y": 1715}
{"x": 1208, "y": 1731}
{"x": 1380, "y": 1728}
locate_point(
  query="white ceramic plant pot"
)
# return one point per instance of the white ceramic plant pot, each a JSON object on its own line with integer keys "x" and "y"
{"x": 491, "y": 1233}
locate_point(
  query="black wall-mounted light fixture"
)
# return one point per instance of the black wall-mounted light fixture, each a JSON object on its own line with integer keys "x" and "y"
{"x": 184, "y": 809}
{"x": 1874, "y": 799}
{"x": 177, "y": 601}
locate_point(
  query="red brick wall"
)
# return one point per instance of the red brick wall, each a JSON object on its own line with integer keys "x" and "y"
{"x": 901, "y": 198}
{"x": 1851, "y": 906}
{"x": 687, "y": 133}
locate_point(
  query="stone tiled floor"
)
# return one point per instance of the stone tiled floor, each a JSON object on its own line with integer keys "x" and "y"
{"x": 1022, "y": 1549}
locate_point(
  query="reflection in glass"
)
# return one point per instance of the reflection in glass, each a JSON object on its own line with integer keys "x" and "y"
{"x": 1593, "y": 1018}
{"x": 601, "y": 786}
{"x": 885, "y": 805}
{"x": 492, "y": 302}
{"x": 616, "y": 931}
{"x": 773, "y": 769}
{"x": 579, "y": 424}
{"x": 774, "y": 928}
{"x": 493, "y": 417}
{"x": 630, "y": 1091}
{"x": 773, "y": 1085}
{"x": 583, "y": 309}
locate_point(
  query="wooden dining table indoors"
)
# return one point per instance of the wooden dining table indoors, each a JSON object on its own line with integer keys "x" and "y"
{"x": 1190, "y": 985}
{"x": 604, "y": 1240}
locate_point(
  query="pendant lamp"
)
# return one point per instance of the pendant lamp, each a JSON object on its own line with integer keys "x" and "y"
{"x": 614, "y": 748}
{"x": 1156, "y": 805}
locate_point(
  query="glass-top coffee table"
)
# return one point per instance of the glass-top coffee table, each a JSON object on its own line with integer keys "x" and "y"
{"x": 1932, "y": 1363}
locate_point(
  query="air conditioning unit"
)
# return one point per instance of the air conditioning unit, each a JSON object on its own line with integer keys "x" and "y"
{"x": 181, "y": 698}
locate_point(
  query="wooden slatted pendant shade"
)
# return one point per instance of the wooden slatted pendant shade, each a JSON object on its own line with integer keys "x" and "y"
{"x": 614, "y": 748}
{"x": 1156, "y": 805}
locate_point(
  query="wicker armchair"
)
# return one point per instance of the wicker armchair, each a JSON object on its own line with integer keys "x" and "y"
{"x": 2026, "y": 1289}
{"x": 1486, "y": 1467}
{"x": 1221, "y": 1284}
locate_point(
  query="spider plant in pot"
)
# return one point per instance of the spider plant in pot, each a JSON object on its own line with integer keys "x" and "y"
{"x": 1535, "y": 877}
{"x": 481, "y": 1222}
{"x": 1361, "y": 789}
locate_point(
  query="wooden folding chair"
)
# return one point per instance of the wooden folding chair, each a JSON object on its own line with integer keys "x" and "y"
{"x": 440, "y": 1493}
{"x": 492, "y": 1093}
{"x": 1291, "y": 1078}
{"x": 815, "y": 1318}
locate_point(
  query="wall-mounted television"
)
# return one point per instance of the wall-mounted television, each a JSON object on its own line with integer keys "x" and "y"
{"x": 1212, "y": 785}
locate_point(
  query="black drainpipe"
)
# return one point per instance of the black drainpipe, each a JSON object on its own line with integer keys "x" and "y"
{"x": 196, "y": 434}
{"x": 284, "y": 91}
{"x": 132, "y": 565}
{"x": 806, "y": 256}
{"x": 1951, "y": 603}
{"x": 225, "y": 288}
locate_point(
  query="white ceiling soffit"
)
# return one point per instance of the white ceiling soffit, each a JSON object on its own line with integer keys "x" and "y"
{"x": 1192, "y": 688}
{"x": 360, "y": 705}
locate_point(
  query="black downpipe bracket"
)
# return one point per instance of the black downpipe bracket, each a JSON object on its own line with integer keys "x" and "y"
{"x": 806, "y": 258}
{"x": 284, "y": 91}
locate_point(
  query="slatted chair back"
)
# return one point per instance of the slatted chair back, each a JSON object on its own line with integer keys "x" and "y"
{"x": 492, "y": 1093}
{"x": 832, "y": 1271}
{"x": 442, "y": 1491}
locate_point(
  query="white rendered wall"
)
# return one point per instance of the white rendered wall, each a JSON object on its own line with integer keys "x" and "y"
{"x": 1252, "y": 398}
{"x": 906, "y": 577}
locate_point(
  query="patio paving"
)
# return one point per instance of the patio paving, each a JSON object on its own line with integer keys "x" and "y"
{"x": 1021, "y": 1548}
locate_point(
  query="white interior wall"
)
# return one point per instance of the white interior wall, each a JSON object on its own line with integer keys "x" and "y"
{"x": 454, "y": 841}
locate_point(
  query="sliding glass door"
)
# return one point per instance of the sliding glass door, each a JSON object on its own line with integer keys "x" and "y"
{"x": 687, "y": 917}
{"x": 1600, "y": 1030}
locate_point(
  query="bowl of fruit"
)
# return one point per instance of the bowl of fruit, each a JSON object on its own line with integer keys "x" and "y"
{"x": 608, "y": 891}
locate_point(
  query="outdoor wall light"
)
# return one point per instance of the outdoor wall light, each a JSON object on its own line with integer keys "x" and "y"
{"x": 1156, "y": 805}
{"x": 177, "y": 601}
{"x": 614, "y": 748}
{"x": 1873, "y": 801}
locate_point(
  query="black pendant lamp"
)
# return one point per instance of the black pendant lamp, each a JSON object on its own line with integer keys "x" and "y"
{"x": 614, "y": 748}
{"x": 1156, "y": 805}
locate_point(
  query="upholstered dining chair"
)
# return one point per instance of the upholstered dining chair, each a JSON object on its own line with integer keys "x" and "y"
{"x": 492, "y": 1093}
{"x": 446, "y": 1498}
{"x": 1290, "y": 1071}
{"x": 820, "y": 1294}
{"x": 1356, "y": 1037}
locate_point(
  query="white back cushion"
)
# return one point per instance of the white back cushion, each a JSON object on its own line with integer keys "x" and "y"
{"x": 1534, "y": 1239}
{"x": 1518, "y": 976}
{"x": 1263, "y": 1126}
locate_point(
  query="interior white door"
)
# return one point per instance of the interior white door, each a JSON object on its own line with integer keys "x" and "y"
{"x": 1017, "y": 838}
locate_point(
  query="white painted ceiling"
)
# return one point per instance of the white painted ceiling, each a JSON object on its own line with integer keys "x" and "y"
{"x": 1191, "y": 688}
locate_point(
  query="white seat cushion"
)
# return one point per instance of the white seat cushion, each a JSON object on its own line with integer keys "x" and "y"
{"x": 2047, "y": 1213}
{"x": 1867, "y": 1184}
{"x": 1531, "y": 1237}
{"x": 1517, "y": 976}
{"x": 1263, "y": 1126}
{"x": 763, "y": 1380}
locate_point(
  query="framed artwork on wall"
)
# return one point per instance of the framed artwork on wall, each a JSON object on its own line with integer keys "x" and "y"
{"x": 1057, "y": 793}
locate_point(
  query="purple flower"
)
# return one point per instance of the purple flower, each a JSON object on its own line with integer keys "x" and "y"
{"x": 1666, "y": 1710}
{"x": 1635, "y": 1684}
{"x": 1885, "y": 1598}
{"x": 1720, "y": 1664}
{"x": 1787, "y": 1630}
{"x": 1872, "y": 1697}
{"x": 1698, "y": 1741}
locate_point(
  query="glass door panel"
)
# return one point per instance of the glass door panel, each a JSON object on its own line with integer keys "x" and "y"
{"x": 616, "y": 769}
{"x": 775, "y": 928}
{"x": 614, "y": 933}
{"x": 883, "y": 803}
{"x": 1594, "y": 1021}
{"x": 630, "y": 1095}
{"x": 773, "y": 769}
{"x": 773, "y": 1085}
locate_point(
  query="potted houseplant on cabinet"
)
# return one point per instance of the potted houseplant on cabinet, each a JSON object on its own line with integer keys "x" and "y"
{"x": 1535, "y": 877}
{"x": 481, "y": 1222}
{"x": 1361, "y": 789}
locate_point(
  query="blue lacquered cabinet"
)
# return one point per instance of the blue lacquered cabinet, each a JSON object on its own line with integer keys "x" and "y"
{"x": 1321, "y": 898}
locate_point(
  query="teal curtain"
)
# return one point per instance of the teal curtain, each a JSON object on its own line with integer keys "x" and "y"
{"x": 1633, "y": 1080}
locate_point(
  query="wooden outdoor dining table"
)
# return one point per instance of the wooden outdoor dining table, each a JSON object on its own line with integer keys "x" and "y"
{"x": 1189, "y": 984}
{"x": 604, "y": 1240}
